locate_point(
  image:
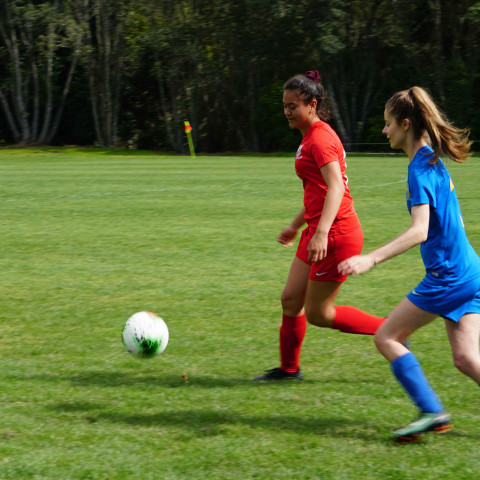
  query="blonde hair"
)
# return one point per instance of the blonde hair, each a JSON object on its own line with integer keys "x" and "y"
{"x": 416, "y": 105}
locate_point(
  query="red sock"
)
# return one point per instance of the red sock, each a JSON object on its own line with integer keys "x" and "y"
{"x": 353, "y": 320}
{"x": 292, "y": 333}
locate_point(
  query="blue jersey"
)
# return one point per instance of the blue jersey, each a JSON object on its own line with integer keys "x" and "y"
{"x": 447, "y": 253}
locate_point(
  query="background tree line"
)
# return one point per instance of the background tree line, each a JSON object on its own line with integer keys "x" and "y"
{"x": 125, "y": 73}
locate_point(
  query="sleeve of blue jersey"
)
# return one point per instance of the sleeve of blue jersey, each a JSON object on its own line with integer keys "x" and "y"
{"x": 422, "y": 188}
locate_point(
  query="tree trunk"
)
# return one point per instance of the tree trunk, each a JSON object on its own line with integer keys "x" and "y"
{"x": 31, "y": 37}
{"x": 163, "y": 102}
{"x": 103, "y": 62}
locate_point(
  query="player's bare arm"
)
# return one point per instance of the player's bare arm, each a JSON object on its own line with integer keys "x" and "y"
{"x": 336, "y": 188}
{"x": 415, "y": 234}
{"x": 288, "y": 234}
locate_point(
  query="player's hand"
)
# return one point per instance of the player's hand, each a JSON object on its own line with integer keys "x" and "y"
{"x": 287, "y": 236}
{"x": 317, "y": 248}
{"x": 356, "y": 265}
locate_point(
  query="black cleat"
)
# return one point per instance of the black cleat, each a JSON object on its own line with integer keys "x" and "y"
{"x": 279, "y": 374}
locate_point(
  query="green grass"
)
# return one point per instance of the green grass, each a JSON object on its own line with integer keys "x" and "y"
{"x": 89, "y": 237}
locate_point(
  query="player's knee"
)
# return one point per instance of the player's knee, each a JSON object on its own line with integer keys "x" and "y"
{"x": 291, "y": 305}
{"x": 465, "y": 363}
{"x": 377, "y": 340}
{"x": 319, "y": 318}
{"x": 381, "y": 342}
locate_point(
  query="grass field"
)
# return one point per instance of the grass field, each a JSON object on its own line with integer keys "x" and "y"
{"x": 89, "y": 237}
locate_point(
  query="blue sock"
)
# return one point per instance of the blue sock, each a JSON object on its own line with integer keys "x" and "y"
{"x": 409, "y": 373}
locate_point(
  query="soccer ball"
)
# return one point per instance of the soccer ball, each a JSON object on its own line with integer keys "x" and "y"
{"x": 145, "y": 335}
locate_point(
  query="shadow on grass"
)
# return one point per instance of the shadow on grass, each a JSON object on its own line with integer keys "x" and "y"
{"x": 116, "y": 379}
{"x": 210, "y": 422}
{"x": 201, "y": 423}
{"x": 113, "y": 379}
{"x": 122, "y": 378}
{"x": 119, "y": 379}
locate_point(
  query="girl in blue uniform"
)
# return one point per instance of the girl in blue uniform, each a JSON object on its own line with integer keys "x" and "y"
{"x": 451, "y": 286}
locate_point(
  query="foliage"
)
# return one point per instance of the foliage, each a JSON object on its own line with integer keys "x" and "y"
{"x": 36, "y": 73}
{"x": 151, "y": 65}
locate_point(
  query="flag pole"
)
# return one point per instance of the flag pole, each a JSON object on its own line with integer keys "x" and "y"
{"x": 188, "y": 131}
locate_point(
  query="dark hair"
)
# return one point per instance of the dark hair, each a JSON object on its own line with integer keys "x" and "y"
{"x": 309, "y": 88}
{"x": 416, "y": 105}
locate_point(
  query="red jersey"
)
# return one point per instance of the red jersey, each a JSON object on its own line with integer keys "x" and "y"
{"x": 319, "y": 146}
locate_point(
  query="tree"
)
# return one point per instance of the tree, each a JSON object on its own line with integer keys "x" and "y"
{"x": 353, "y": 47}
{"x": 149, "y": 65}
{"x": 439, "y": 48}
{"x": 103, "y": 25}
{"x": 39, "y": 54}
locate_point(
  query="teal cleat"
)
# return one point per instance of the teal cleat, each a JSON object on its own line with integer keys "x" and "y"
{"x": 426, "y": 422}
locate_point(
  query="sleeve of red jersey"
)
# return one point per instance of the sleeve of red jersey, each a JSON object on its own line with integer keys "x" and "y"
{"x": 324, "y": 148}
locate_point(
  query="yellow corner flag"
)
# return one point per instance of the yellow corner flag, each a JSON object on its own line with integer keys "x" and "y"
{"x": 188, "y": 131}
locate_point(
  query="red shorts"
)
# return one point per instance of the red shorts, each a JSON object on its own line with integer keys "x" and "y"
{"x": 339, "y": 248}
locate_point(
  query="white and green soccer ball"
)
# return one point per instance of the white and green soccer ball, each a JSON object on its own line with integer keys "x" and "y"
{"x": 145, "y": 335}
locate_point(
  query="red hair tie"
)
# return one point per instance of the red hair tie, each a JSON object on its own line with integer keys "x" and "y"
{"x": 313, "y": 75}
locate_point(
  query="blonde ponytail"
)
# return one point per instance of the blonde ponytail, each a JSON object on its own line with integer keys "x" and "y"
{"x": 427, "y": 119}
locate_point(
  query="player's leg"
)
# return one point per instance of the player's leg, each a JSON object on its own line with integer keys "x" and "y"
{"x": 319, "y": 299}
{"x": 293, "y": 294}
{"x": 325, "y": 284}
{"x": 321, "y": 312}
{"x": 403, "y": 321}
{"x": 463, "y": 338}
{"x": 294, "y": 324}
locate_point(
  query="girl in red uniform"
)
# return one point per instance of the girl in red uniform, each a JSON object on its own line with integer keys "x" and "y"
{"x": 333, "y": 231}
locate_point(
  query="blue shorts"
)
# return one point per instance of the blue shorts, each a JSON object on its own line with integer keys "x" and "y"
{"x": 446, "y": 299}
